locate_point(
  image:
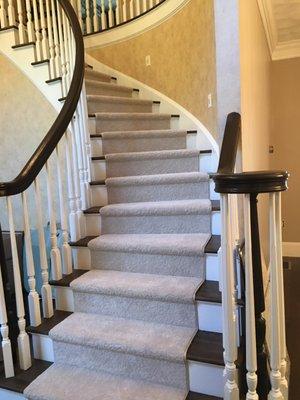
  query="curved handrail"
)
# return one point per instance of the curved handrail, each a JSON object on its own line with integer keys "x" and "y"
{"x": 60, "y": 125}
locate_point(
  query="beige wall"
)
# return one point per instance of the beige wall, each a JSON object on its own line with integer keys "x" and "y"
{"x": 182, "y": 51}
{"x": 255, "y": 98}
{"x": 286, "y": 139}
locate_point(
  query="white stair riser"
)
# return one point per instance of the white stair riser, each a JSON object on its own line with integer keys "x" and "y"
{"x": 64, "y": 298}
{"x": 213, "y": 194}
{"x": 98, "y": 170}
{"x": 99, "y": 195}
{"x": 117, "y": 107}
{"x": 210, "y": 317}
{"x": 93, "y": 224}
{"x": 82, "y": 257}
{"x": 212, "y": 267}
{"x": 206, "y": 378}
{"x": 42, "y": 347}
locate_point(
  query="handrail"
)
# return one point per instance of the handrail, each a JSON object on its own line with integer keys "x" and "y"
{"x": 60, "y": 125}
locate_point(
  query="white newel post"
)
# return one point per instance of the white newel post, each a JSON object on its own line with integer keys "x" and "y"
{"x": 47, "y": 301}
{"x": 251, "y": 355}
{"x": 5, "y": 343}
{"x": 33, "y": 297}
{"x": 231, "y": 390}
{"x": 56, "y": 268}
{"x": 23, "y": 338}
{"x": 66, "y": 248}
{"x": 275, "y": 265}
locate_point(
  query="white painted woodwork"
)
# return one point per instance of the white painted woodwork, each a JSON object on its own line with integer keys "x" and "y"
{"x": 144, "y": 6}
{"x": 88, "y": 20}
{"x": 209, "y": 317}
{"x": 47, "y": 303}
{"x": 63, "y": 52}
{"x": 38, "y": 35}
{"x": 231, "y": 390}
{"x": 117, "y": 11}
{"x": 23, "y": 338}
{"x": 33, "y": 297}
{"x": 3, "y": 15}
{"x": 79, "y": 12}
{"x": 64, "y": 299}
{"x": 96, "y": 24}
{"x": 45, "y": 44}
{"x": 42, "y": 347}
{"x": 131, "y": 9}
{"x": 4, "y": 330}
{"x": 52, "y": 68}
{"x": 21, "y": 25}
{"x": 11, "y": 13}
{"x": 111, "y": 21}
{"x": 57, "y": 46}
{"x": 124, "y": 11}
{"x": 251, "y": 354}
{"x": 103, "y": 15}
{"x": 206, "y": 378}
{"x": 56, "y": 267}
{"x": 138, "y": 9}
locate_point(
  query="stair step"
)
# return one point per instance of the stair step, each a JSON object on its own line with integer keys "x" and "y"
{"x": 137, "y": 134}
{"x": 107, "y": 89}
{"x": 199, "y": 396}
{"x": 67, "y": 279}
{"x": 209, "y": 292}
{"x": 85, "y": 384}
{"x": 206, "y": 347}
{"x": 48, "y": 323}
{"x": 93, "y": 210}
{"x": 83, "y": 242}
{"x": 154, "y": 155}
{"x": 97, "y": 104}
{"x": 19, "y": 46}
{"x": 97, "y": 76}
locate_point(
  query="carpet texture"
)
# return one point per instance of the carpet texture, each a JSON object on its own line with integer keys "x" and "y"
{"x": 135, "y": 312}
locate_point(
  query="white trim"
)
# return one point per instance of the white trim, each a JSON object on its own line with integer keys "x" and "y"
{"x": 140, "y": 25}
{"x": 291, "y": 249}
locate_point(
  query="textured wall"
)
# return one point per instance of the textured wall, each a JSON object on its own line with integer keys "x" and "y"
{"x": 25, "y": 118}
{"x": 182, "y": 51}
{"x": 286, "y": 139}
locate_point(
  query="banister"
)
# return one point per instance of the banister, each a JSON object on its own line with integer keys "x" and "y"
{"x": 37, "y": 161}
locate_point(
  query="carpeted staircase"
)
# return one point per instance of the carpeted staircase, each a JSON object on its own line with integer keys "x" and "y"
{"x": 135, "y": 312}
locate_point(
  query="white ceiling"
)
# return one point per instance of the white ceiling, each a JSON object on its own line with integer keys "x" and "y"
{"x": 281, "y": 20}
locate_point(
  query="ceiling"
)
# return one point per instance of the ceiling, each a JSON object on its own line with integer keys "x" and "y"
{"x": 281, "y": 20}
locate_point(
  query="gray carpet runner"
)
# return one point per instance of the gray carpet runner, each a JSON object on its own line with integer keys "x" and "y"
{"x": 135, "y": 312}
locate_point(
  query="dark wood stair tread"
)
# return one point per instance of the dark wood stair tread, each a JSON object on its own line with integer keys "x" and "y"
{"x": 18, "y": 46}
{"x": 98, "y": 158}
{"x": 98, "y": 183}
{"x": 54, "y": 80}
{"x": 199, "y": 396}
{"x": 22, "y": 378}
{"x": 92, "y": 210}
{"x": 206, "y": 347}
{"x": 215, "y": 205}
{"x": 83, "y": 242}
{"x": 209, "y": 291}
{"x": 40, "y": 62}
{"x": 67, "y": 279}
{"x": 213, "y": 244}
{"x": 49, "y": 323}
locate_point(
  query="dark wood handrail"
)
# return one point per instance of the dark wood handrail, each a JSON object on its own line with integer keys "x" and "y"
{"x": 60, "y": 125}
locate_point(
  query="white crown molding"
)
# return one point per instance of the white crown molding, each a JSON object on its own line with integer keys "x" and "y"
{"x": 134, "y": 28}
{"x": 278, "y": 50}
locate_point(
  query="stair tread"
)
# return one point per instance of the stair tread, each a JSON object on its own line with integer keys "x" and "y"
{"x": 96, "y": 74}
{"x": 149, "y": 155}
{"x": 67, "y": 279}
{"x": 130, "y": 116}
{"x": 206, "y": 347}
{"x": 209, "y": 291}
{"x": 211, "y": 247}
{"x": 117, "y": 99}
{"x": 199, "y": 396}
{"x": 92, "y": 210}
{"x": 90, "y": 385}
{"x": 141, "y": 134}
{"x": 167, "y": 244}
{"x": 136, "y": 285}
{"x": 170, "y": 207}
{"x": 108, "y": 85}
{"x": 49, "y": 323}
{"x": 141, "y": 338}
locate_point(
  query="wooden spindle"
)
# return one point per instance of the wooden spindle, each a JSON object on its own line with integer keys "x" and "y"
{"x": 251, "y": 357}
{"x": 57, "y": 44}
{"x": 117, "y": 12}
{"x": 67, "y": 49}
{"x": 79, "y": 13}
{"x": 275, "y": 358}
{"x": 111, "y": 20}
{"x": 47, "y": 301}
{"x": 103, "y": 16}
{"x": 231, "y": 390}
{"x": 56, "y": 268}
{"x": 144, "y": 6}
{"x": 284, "y": 383}
{"x": 30, "y": 27}
{"x": 138, "y": 9}
{"x": 45, "y": 44}
{"x": 11, "y": 13}
{"x": 66, "y": 249}
{"x": 23, "y": 338}
{"x": 38, "y": 36}
{"x": 33, "y": 297}
{"x": 88, "y": 17}
{"x": 62, "y": 51}
{"x": 3, "y": 14}
{"x": 21, "y": 26}
{"x": 151, "y": 4}
{"x": 4, "y": 329}
{"x": 95, "y": 17}
{"x": 51, "y": 41}
{"x": 131, "y": 9}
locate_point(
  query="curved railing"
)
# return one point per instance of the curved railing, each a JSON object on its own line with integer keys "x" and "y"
{"x": 99, "y": 15}
{"x": 59, "y": 165}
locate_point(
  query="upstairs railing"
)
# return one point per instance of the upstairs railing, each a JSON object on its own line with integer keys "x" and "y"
{"x": 59, "y": 164}
{"x": 258, "y": 362}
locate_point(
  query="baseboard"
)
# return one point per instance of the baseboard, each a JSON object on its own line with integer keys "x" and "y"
{"x": 291, "y": 249}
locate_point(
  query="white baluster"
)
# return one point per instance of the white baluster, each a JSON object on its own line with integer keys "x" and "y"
{"x": 79, "y": 11}
{"x": 117, "y": 11}
{"x": 30, "y": 27}
{"x": 95, "y": 18}
{"x": 284, "y": 383}
{"x": 67, "y": 50}
{"x": 11, "y": 13}
{"x": 56, "y": 268}
{"x": 251, "y": 355}
{"x": 46, "y": 288}
{"x": 21, "y": 26}
{"x": 57, "y": 44}
{"x": 131, "y": 9}
{"x": 51, "y": 41}
{"x": 45, "y": 44}
{"x": 111, "y": 21}
{"x": 38, "y": 42}
{"x": 103, "y": 16}
{"x": 66, "y": 249}
{"x": 87, "y": 152}
{"x": 88, "y": 17}
{"x": 62, "y": 50}
{"x": 33, "y": 297}
{"x": 125, "y": 16}
{"x": 275, "y": 358}
{"x": 3, "y": 15}
{"x": 5, "y": 343}
{"x": 138, "y": 10}
{"x": 23, "y": 338}
{"x": 144, "y": 6}
{"x": 151, "y": 3}
{"x": 231, "y": 390}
